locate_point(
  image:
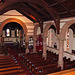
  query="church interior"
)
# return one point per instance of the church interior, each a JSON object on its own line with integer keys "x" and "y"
{"x": 37, "y": 37}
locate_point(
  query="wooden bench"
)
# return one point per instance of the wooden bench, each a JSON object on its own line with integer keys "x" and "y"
{"x": 69, "y": 64}
{"x": 9, "y": 65}
{"x": 48, "y": 71}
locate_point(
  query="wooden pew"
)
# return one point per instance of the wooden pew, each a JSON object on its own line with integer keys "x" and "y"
{"x": 11, "y": 72}
{"x": 10, "y": 68}
{"x": 41, "y": 69}
{"x": 33, "y": 61}
{"x": 9, "y": 65}
{"x": 69, "y": 64}
{"x": 37, "y": 66}
{"x": 48, "y": 71}
{"x": 5, "y": 57}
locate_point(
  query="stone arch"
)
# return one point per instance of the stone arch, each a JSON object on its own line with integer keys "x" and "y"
{"x": 13, "y": 20}
{"x": 47, "y": 27}
{"x": 65, "y": 27}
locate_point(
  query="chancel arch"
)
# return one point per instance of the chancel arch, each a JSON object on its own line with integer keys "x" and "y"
{"x": 13, "y": 31}
{"x": 13, "y": 20}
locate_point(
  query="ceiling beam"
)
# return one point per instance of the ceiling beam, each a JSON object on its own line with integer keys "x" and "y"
{"x": 64, "y": 7}
{"x": 26, "y": 8}
{"x": 40, "y": 10}
{"x": 26, "y": 14}
{"x": 2, "y": 1}
{"x": 41, "y": 3}
{"x": 53, "y": 14}
{"x": 14, "y": 7}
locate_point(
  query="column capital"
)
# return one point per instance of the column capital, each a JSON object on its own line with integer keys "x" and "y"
{"x": 44, "y": 43}
{"x": 44, "y": 55}
{"x": 74, "y": 35}
{"x": 42, "y": 34}
{"x": 60, "y": 38}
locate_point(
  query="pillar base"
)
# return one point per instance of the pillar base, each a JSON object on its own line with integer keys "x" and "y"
{"x": 44, "y": 55}
{"x": 27, "y": 51}
{"x": 60, "y": 63}
{"x": 34, "y": 50}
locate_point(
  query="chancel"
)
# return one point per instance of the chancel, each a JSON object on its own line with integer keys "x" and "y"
{"x": 37, "y": 37}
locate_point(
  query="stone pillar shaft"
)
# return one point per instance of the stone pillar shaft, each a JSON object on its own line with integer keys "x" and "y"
{"x": 61, "y": 48}
{"x": 34, "y": 45}
{"x": 44, "y": 48}
{"x": 27, "y": 50}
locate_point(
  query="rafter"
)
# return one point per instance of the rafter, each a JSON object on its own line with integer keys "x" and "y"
{"x": 2, "y": 1}
{"x": 25, "y": 11}
{"x": 30, "y": 10}
{"x": 64, "y": 7}
{"x": 26, "y": 14}
{"x": 40, "y": 10}
{"x": 41, "y": 3}
{"x": 54, "y": 15}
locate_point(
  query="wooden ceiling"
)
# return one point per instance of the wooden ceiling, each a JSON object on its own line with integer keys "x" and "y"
{"x": 37, "y": 10}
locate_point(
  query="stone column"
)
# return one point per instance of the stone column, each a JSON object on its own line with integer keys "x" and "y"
{"x": 34, "y": 44}
{"x": 61, "y": 48}
{"x": 27, "y": 50}
{"x": 44, "y": 48}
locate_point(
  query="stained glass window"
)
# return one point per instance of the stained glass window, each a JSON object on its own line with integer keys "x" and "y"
{"x": 67, "y": 38}
{"x": 8, "y": 32}
{"x": 47, "y": 39}
{"x": 51, "y": 37}
{"x": 17, "y": 32}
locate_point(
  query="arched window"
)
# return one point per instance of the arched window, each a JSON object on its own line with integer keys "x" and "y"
{"x": 17, "y": 31}
{"x": 67, "y": 38}
{"x": 7, "y": 32}
{"x": 51, "y": 37}
{"x": 47, "y": 39}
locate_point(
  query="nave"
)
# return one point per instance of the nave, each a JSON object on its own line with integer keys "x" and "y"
{"x": 13, "y": 63}
{"x": 37, "y": 37}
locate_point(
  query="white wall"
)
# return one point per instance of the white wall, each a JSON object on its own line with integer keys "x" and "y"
{"x": 54, "y": 39}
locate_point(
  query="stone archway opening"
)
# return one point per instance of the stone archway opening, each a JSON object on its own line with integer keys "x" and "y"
{"x": 13, "y": 32}
{"x": 69, "y": 39}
